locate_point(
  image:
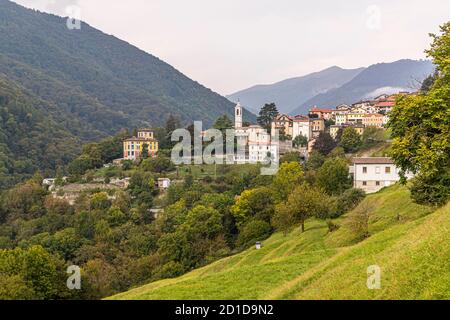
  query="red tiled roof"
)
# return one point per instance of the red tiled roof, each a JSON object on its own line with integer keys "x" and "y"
{"x": 314, "y": 109}
{"x": 301, "y": 118}
{"x": 385, "y": 104}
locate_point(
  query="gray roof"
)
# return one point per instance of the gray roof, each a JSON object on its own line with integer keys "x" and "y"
{"x": 373, "y": 160}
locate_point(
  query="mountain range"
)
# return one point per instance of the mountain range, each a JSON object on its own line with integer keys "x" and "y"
{"x": 60, "y": 88}
{"x": 333, "y": 86}
{"x": 97, "y": 80}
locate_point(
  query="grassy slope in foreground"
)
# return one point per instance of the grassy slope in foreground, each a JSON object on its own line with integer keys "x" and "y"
{"x": 410, "y": 245}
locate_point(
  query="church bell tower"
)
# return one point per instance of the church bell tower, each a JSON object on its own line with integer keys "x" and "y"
{"x": 238, "y": 116}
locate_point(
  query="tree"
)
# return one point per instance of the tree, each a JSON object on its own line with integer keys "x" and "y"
{"x": 372, "y": 135}
{"x": 324, "y": 143}
{"x": 290, "y": 157}
{"x": 304, "y": 202}
{"x": 266, "y": 115}
{"x": 144, "y": 154}
{"x": 254, "y": 230}
{"x": 315, "y": 160}
{"x": 350, "y": 140}
{"x": 223, "y": 123}
{"x": 334, "y": 177}
{"x": 159, "y": 164}
{"x": 428, "y": 83}
{"x": 420, "y": 126}
{"x": 300, "y": 141}
{"x": 254, "y": 203}
{"x": 172, "y": 124}
{"x": 287, "y": 178}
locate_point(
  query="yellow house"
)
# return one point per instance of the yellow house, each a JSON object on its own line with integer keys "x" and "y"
{"x": 133, "y": 147}
{"x": 334, "y": 129}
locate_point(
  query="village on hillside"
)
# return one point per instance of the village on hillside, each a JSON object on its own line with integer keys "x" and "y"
{"x": 287, "y": 134}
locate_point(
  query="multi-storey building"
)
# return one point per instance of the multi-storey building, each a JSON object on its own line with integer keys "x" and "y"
{"x": 284, "y": 124}
{"x": 334, "y": 129}
{"x": 321, "y": 113}
{"x": 318, "y": 126}
{"x": 351, "y": 117}
{"x": 134, "y": 146}
{"x": 373, "y": 174}
{"x": 373, "y": 120}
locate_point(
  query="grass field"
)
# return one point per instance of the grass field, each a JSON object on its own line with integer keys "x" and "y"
{"x": 410, "y": 243}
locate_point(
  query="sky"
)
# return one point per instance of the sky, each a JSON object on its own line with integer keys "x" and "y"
{"x": 230, "y": 45}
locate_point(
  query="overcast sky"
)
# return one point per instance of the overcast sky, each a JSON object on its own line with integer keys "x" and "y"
{"x": 229, "y": 45}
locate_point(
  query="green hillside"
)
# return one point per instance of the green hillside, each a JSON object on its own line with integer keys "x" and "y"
{"x": 409, "y": 242}
{"x": 31, "y": 138}
{"x": 95, "y": 78}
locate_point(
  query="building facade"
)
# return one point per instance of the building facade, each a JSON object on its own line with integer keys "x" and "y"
{"x": 325, "y": 114}
{"x": 372, "y": 174}
{"x": 373, "y": 120}
{"x": 134, "y": 146}
{"x": 302, "y": 126}
{"x": 284, "y": 124}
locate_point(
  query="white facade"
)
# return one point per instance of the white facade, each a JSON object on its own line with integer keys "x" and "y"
{"x": 302, "y": 127}
{"x": 373, "y": 174}
{"x": 341, "y": 118}
{"x": 238, "y": 116}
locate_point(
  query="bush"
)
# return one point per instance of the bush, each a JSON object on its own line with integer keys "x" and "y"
{"x": 332, "y": 226}
{"x": 349, "y": 200}
{"x": 252, "y": 231}
{"x": 170, "y": 270}
{"x": 157, "y": 165}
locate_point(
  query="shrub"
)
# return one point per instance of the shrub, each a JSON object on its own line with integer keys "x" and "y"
{"x": 252, "y": 231}
{"x": 332, "y": 226}
{"x": 349, "y": 200}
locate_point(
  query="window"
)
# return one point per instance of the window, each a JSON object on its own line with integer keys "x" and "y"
{"x": 364, "y": 183}
{"x": 364, "y": 169}
{"x": 377, "y": 183}
{"x": 387, "y": 170}
{"x": 377, "y": 170}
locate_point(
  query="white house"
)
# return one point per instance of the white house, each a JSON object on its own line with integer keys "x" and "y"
{"x": 372, "y": 174}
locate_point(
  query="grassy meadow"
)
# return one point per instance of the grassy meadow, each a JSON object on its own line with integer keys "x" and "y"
{"x": 410, "y": 243}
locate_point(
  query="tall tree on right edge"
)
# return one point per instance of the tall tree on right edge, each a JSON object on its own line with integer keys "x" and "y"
{"x": 420, "y": 127}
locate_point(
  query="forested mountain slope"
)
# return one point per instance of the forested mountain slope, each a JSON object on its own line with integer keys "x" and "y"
{"x": 96, "y": 79}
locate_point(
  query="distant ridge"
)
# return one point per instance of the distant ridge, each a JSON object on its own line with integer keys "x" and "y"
{"x": 402, "y": 75}
{"x": 333, "y": 86}
{"x": 287, "y": 94}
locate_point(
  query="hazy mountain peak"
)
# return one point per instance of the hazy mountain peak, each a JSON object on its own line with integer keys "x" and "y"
{"x": 287, "y": 94}
{"x": 385, "y": 77}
